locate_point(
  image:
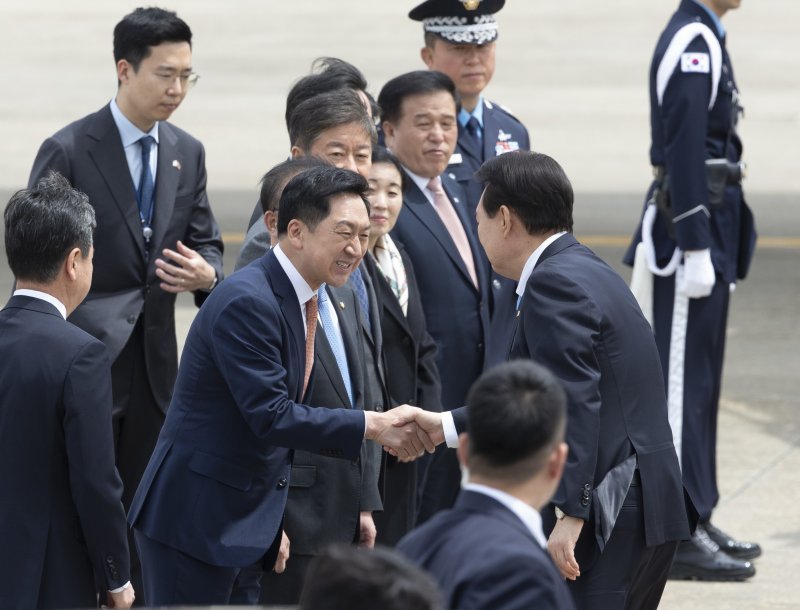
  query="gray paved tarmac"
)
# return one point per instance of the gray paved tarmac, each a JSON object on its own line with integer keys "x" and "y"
{"x": 575, "y": 73}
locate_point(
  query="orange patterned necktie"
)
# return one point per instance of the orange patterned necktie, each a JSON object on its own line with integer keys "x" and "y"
{"x": 312, "y": 309}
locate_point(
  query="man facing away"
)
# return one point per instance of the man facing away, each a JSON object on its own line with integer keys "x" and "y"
{"x": 63, "y": 534}
{"x": 211, "y": 501}
{"x": 156, "y": 235}
{"x": 488, "y": 551}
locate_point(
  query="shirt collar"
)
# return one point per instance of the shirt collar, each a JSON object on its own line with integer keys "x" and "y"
{"x": 128, "y": 132}
{"x": 529, "y": 516}
{"x": 301, "y": 287}
{"x": 714, "y": 18}
{"x": 463, "y": 115}
{"x": 532, "y": 260}
{"x": 37, "y": 294}
{"x": 421, "y": 182}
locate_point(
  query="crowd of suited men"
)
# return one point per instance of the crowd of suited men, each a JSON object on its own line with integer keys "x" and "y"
{"x": 413, "y": 355}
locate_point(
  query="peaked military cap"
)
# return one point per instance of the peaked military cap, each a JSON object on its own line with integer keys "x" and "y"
{"x": 459, "y": 21}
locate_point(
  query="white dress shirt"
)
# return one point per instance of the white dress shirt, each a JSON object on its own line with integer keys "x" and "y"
{"x": 529, "y": 516}
{"x": 37, "y": 294}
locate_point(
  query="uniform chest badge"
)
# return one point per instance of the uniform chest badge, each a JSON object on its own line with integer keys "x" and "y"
{"x": 504, "y": 143}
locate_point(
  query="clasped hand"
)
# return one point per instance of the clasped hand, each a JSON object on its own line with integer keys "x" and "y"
{"x": 405, "y": 431}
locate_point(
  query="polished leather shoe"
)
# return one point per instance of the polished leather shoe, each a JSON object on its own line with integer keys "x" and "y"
{"x": 729, "y": 546}
{"x": 701, "y": 559}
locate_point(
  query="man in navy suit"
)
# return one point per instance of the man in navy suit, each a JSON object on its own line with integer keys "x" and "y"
{"x": 488, "y": 551}
{"x": 156, "y": 235}
{"x": 620, "y": 510}
{"x": 420, "y": 127}
{"x": 461, "y": 41}
{"x": 63, "y": 537}
{"x": 212, "y": 498}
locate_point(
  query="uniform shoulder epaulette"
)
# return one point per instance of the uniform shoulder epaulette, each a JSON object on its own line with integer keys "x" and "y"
{"x": 504, "y": 109}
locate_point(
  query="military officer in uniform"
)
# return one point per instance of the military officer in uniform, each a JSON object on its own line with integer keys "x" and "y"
{"x": 460, "y": 40}
{"x": 695, "y": 240}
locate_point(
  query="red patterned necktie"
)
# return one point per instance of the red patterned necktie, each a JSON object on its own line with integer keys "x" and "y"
{"x": 312, "y": 309}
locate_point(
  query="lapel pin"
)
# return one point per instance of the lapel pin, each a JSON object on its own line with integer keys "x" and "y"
{"x": 176, "y": 164}
{"x": 518, "y": 312}
{"x": 341, "y": 304}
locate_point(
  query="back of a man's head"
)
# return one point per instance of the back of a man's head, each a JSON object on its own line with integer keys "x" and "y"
{"x": 307, "y": 196}
{"x": 533, "y": 185}
{"x": 145, "y": 28}
{"x": 343, "y": 577}
{"x": 327, "y": 74}
{"x": 43, "y": 224}
{"x": 276, "y": 179}
{"x": 326, "y": 111}
{"x": 516, "y": 414}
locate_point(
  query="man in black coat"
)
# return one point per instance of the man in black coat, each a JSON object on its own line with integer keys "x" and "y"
{"x": 62, "y": 525}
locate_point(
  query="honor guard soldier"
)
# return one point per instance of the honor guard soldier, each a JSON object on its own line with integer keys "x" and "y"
{"x": 460, "y": 40}
{"x": 696, "y": 238}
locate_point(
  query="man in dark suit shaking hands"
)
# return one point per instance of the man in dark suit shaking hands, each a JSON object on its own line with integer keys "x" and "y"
{"x": 62, "y": 526}
{"x": 619, "y": 512}
{"x": 488, "y": 551}
{"x": 156, "y": 235}
{"x": 212, "y": 498}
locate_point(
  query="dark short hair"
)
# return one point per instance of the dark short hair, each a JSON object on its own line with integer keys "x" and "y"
{"x": 327, "y": 74}
{"x": 533, "y": 185}
{"x": 419, "y": 82}
{"x": 381, "y": 154}
{"x": 326, "y": 111}
{"x": 274, "y": 181}
{"x": 43, "y": 224}
{"x": 516, "y": 415}
{"x": 308, "y": 195}
{"x": 145, "y": 28}
{"x": 344, "y": 577}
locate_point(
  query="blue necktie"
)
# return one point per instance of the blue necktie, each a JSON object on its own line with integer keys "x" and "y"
{"x": 144, "y": 196}
{"x": 335, "y": 341}
{"x": 358, "y": 286}
{"x": 474, "y": 131}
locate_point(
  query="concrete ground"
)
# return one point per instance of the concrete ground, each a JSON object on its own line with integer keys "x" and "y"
{"x": 575, "y": 73}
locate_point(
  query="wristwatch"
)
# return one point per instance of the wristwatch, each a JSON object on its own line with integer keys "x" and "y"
{"x": 559, "y": 513}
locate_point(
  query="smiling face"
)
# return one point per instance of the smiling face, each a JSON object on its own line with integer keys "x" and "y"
{"x": 470, "y": 66}
{"x": 336, "y": 246}
{"x": 425, "y": 135}
{"x": 154, "y": 91}
{"x": 346, "y": 146}
{"x": 385, "y": 199}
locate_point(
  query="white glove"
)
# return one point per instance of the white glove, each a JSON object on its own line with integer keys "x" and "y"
{"x": 698, "y": 274}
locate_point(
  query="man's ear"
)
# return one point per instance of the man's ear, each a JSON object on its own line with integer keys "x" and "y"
{"x": 388, "y": 133}
{"x": 556, "y": 461}
{"x": 508, "y": 219}
{"x": 426, "y": 53}
{"x": 296, "y": 233}
{"x": 124, "y": 71}
{"x": 70, "y": 263}
{"x": 296, "y": 152}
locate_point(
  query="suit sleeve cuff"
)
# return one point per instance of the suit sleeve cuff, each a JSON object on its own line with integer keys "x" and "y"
{"x": 449, "y": 428}
{"x": 120, "y": 589}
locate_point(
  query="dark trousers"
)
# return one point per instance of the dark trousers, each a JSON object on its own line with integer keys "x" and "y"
{"x": 702, "y": 359}
{"x": 173, "y": 578}
{"x": 627, "y": 575}
{"x": 137, "y": 421}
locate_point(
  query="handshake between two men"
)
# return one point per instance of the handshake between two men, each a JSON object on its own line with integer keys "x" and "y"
{"x": 405, "y": 431}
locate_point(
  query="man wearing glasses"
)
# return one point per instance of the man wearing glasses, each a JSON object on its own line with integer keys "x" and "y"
{"x": 156, "y": 235}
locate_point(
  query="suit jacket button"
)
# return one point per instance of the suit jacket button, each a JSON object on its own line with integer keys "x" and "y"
{"x": 131, "y": 319}
{"x": 587, "y": 487}
{"x": 379, "y": 408}
{"x": 282, "y": 483}
{"x": 110, "y": 560}
{"x": 585, "y": 502}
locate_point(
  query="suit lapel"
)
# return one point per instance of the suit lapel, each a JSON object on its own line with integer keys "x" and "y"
{"x": 387, "y": 299}
{"x": 109, "y": 157}
{"x": 290, "y": 307}
{"x": 491, "y": 131}
{"x": 167, "y": 178}
{"x": 325, "y": 358}
{"x": 345, "y": 311}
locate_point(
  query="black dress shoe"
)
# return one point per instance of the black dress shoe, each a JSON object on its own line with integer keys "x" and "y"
{"x": 700, "y": 559}
{"x": 729, "y": 546}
